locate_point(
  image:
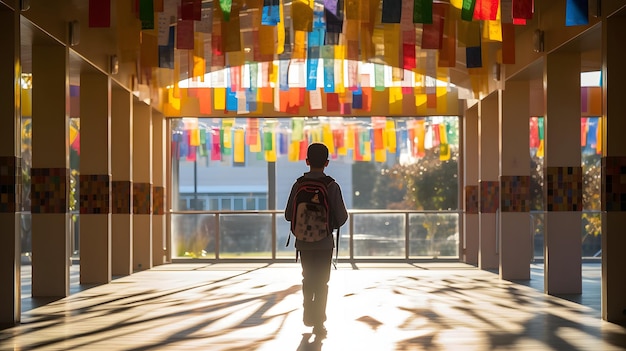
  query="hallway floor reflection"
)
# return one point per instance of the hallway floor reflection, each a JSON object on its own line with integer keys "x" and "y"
{"x": 228, "y": 306}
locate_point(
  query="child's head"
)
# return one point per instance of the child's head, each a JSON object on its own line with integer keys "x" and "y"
{"x": 317, "y": 155}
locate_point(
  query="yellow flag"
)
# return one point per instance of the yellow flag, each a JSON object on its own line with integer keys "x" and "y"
{"x": 270, "y": 155}
{"x": 280, "y": 31}
{"x": 227, "y": 126}
{"x": 350, "y": 137}
{"x": 380, "y": 155}
{"x": 444, "y": 147}
{"x": 240, "y": 147}
{"x": 367, "y": 154}
{"x": 294, "y": 151}
{"x": 390, "y": 132}
{"x": 172, "y": 100}
{"x": 194, "y": 137}
{"x": 540, "y": 149}
{"x": 327, "y": 138}
{"x": 219, "y": 98}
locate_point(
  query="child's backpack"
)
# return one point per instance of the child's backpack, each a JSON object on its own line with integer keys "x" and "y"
{"x": 311, "y": 219}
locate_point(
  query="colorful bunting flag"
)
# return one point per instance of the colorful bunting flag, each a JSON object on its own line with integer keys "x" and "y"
{"x": 576, "y": 12}
{"x": 99, "y": 13}
{"x": 423, "y": 11}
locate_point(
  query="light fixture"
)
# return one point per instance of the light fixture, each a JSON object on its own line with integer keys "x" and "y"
{"x": 496, "y": 70}
{"x": 114, "y": 64}
{"x": 74, "y": 33}
{"x": 24, "y": 5}
{"x": 538, "y": 40}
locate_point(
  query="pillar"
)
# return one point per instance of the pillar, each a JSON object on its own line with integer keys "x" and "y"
{"x": 489, "y": 155}
{"x": 515, "y": 236}
{"x": 95, "y": 179}
{"x": 50, "y": 171}
{"x": 121, "y": 182}
{"x": 469, "y": 252}
{"x": 159, "y": 249}
{"x": 142, "y": 186}
{"x": 10, "y": 167}
{"x": 613, "y": 165}
{"x": 562, "y": 174}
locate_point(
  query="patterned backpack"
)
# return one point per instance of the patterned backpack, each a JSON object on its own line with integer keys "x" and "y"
{"x": 311, "y": 219}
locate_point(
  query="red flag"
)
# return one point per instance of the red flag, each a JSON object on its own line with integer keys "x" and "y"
{"x": 191, "y": 10}
{"x": 432, "y": 34}
{"x": 486, "y": 9}
{"x": 523, "y": 9}
{"x": 508, "y": 43}
{"x": 99, "y": 13}
{"x": 184, "y": 35}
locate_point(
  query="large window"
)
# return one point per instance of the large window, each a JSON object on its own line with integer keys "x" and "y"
{"x": 229, "y": 165}
{"x": 591, "y": 162}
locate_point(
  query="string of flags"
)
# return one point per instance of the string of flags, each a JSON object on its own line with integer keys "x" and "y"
{"x": 590, "y": 135}
{"x": 185, "y": 39}
{"x": 349, "y": 139}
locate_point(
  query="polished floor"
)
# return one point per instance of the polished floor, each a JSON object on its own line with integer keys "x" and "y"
{"x": 445, "y": 306}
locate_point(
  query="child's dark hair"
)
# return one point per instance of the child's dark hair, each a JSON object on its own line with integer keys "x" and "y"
{"x": 317, "y": 154}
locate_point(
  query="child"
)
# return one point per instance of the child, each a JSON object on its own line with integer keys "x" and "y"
{"x": 316, "y": 257}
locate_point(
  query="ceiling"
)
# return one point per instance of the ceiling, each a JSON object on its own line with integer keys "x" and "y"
{"x": 588, "y": 45}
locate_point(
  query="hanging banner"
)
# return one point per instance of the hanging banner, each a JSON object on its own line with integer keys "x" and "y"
{"x": 271, "y": 15}
{"x": 423, "y": 11}
{"x": 191, "y": 10}
{"x": 392, "y": 11}
{"x": 100, "y": 13}
{"x": 146, "y": 14}
{"x": 486, "y": 9}
{"x": 467, "y": 11}
{"x": 576, "y": 12}
{"x": 523, "y": 9}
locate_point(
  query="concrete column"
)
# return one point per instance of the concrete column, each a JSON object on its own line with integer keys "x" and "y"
{"x": 613, "y": 165}
{"x": 121, "y": 184}
{"x": 515, "y": 237}
{"x": 142, "y": 186}
{"x": 50, "y": 171}
{"x": 95, "y": 179}
{"x": 489, "y": 154}
{"x": 158, "y": 191}
{"x": 471, "y": 163}
{"x": 562, "y": 174}
{"x": 10, "y": 168}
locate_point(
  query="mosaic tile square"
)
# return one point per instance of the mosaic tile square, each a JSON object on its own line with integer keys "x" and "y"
{"x": 158, "y": 200}
{"x": 471, "y": 199}
{"x": 142, "y": 198}
{"x": 50, "y": 190}
{"x": 95, "y": 194}
{"x": 489, "y": 196}
{"x": 10, "y": 184}
{"x": 614, "y": 183}
{"x": 564, "y": 188}
{"x": 515, "y": 193}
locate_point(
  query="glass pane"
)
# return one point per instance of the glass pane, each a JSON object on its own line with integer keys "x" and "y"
{"x": 434, "y": 235}
{"x": 379, "y": 235}
{"x": 215, "y": 204}
{"x": 225, "y": 205}
{"x": 537, "y": 220}
{"x": 283, "y": 232}
{"x": 246, "y": 235}
{"x": 251, "y": 203}
{"x": 193, "y": 235}
{"x": 239, "y": 204}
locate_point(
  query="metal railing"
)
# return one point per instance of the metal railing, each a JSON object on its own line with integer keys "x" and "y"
{"x": 368, "y": 235}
